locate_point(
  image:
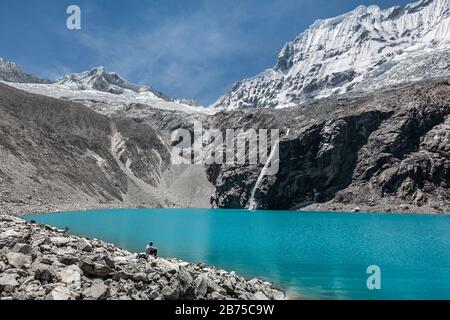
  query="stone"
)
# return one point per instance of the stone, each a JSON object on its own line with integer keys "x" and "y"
{"x": 97, "y": 291}
{"x": 278, "y": 295}
{"x": 140, "y": 277}
{"x": 170, "y": 293}
{"x": 109, "y": 262}
{"x": 8, "y": 234}
{"x": 96, "y": 269}
{"x": 18, "y": 260}
{"x": 229, "y": 284}
{"x": 185, "y": 278}
{"x": 260, "y": 296}
{"x": 70, "y": 275}
{"x": 8, "y": 282}
{"x": 214, "y": 287}
{"x": 44, "y": 273}
{"x": 246, "y": 296}
{"x": 201, "y": 285}
{"x": 168, "y": 267}
{"x": 59, "y": 293}
{"x": 122, "y": 275}
{"x": 46, "y": 248}
{"x": 22, "y": 248}
{"x": 217, "y": 296}
{"x": 68, "y": 260}
{"x": 84, "y": 245}
{"x": 59, "y": 241}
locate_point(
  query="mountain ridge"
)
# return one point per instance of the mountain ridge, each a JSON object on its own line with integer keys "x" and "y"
{"x": 342, "y": 54}
{"x": 95, "y": 86}
{"x": 12, "y": 72}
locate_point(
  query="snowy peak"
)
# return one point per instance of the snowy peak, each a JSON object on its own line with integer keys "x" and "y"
{"x": 105, "y": 92}
{"x": 11, "y": 72}
{"x": 99, "y": 79}
{"x": 365, "y": 46}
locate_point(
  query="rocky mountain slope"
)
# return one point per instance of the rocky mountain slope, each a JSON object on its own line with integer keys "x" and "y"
{"x": 11, "y": 72}
{"x": 42, "y": 263}
{"x": 363, "y": 50}
{"x": 57, "y": 155}
{"x": 385, "y": 151}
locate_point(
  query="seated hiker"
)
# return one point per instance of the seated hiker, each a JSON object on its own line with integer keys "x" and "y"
{"x": 151, "y": 250}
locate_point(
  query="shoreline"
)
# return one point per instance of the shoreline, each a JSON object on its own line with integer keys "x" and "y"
{"x": 304, "y": 210}
{"x": 50, "y": 260}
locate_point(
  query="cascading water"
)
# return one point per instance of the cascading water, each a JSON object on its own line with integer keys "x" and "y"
{"x": 253, "y": 205}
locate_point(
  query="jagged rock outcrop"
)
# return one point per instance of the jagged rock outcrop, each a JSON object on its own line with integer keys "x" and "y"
{"x": 42, "y": 263}
{"x": 386, "y": 151}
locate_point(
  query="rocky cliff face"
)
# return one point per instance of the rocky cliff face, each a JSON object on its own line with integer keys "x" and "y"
{"x": 363, "y": 50}
{"x": 42, "y": 263}
{"x": 384, "y": 151}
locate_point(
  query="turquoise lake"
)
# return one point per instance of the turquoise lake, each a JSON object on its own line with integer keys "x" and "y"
{"x": 312, "y": 255}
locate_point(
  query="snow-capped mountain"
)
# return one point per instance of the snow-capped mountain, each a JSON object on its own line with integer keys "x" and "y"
{"x": 11, "y": 72}
{"x": 365, "y": 49}
{"x": 99, "y": 79}
{"x": 107, "y": 91}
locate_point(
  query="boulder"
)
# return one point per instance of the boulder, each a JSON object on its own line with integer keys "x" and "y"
{"x": 167, "y": 266}
{"x": 70, "y": 275}
{"x": 84, "y": 245}
{"x": 44, "y": 273}
{"x": 97, "y": 291}
{"x": 8, "y": 234}
{"x": 122, "y": 275}
{"x": 140, "y": 277}
{"x": 22, "y": 248}
{"x": 260, "y": 296}
{"x": 60, "y": 293}
{"x": 170, "y": 293}
{"x": 18, "y": 260}
{"x": 59, "y": 241}
{"x": 201, "y": 285}
{"x": 96, "y": 269}
{"x": 8, "y": 282}
{"x": 68, "y": 260}
{"x": 217, "y": 296}
{"x": 214, "y": 287}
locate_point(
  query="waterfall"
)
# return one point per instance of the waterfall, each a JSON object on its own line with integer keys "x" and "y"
{"x": 252, "y": 202}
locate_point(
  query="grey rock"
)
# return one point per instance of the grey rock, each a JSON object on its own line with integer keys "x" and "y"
{"x": 97, "y": 291}
{"x": 59, "y": 241}
{"x": 96, "y": 269}
{"x": 201, "y": 285}
{"x": 85, "y": 245}
{"x": 18, "y": 260}
{"x": 170, "y": 293}
{"x": 8, "y": 282}
{"x": 260, "y": 296}
{"x": 60, "y": 293}
{"x": 70, "y": 275}
{"x": 23, "y": 248}
{"x": 44, "y": 273}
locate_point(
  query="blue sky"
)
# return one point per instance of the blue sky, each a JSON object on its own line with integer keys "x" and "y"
{"x": 184, "y": 48}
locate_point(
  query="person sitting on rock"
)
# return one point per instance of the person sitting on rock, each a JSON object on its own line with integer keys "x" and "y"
{"x": 151, "y": 250}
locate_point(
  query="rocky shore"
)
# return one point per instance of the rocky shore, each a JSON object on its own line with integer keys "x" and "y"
{"x": 43, "y": 263}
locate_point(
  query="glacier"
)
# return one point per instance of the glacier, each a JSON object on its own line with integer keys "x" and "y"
{"x": 365, "y": 49}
